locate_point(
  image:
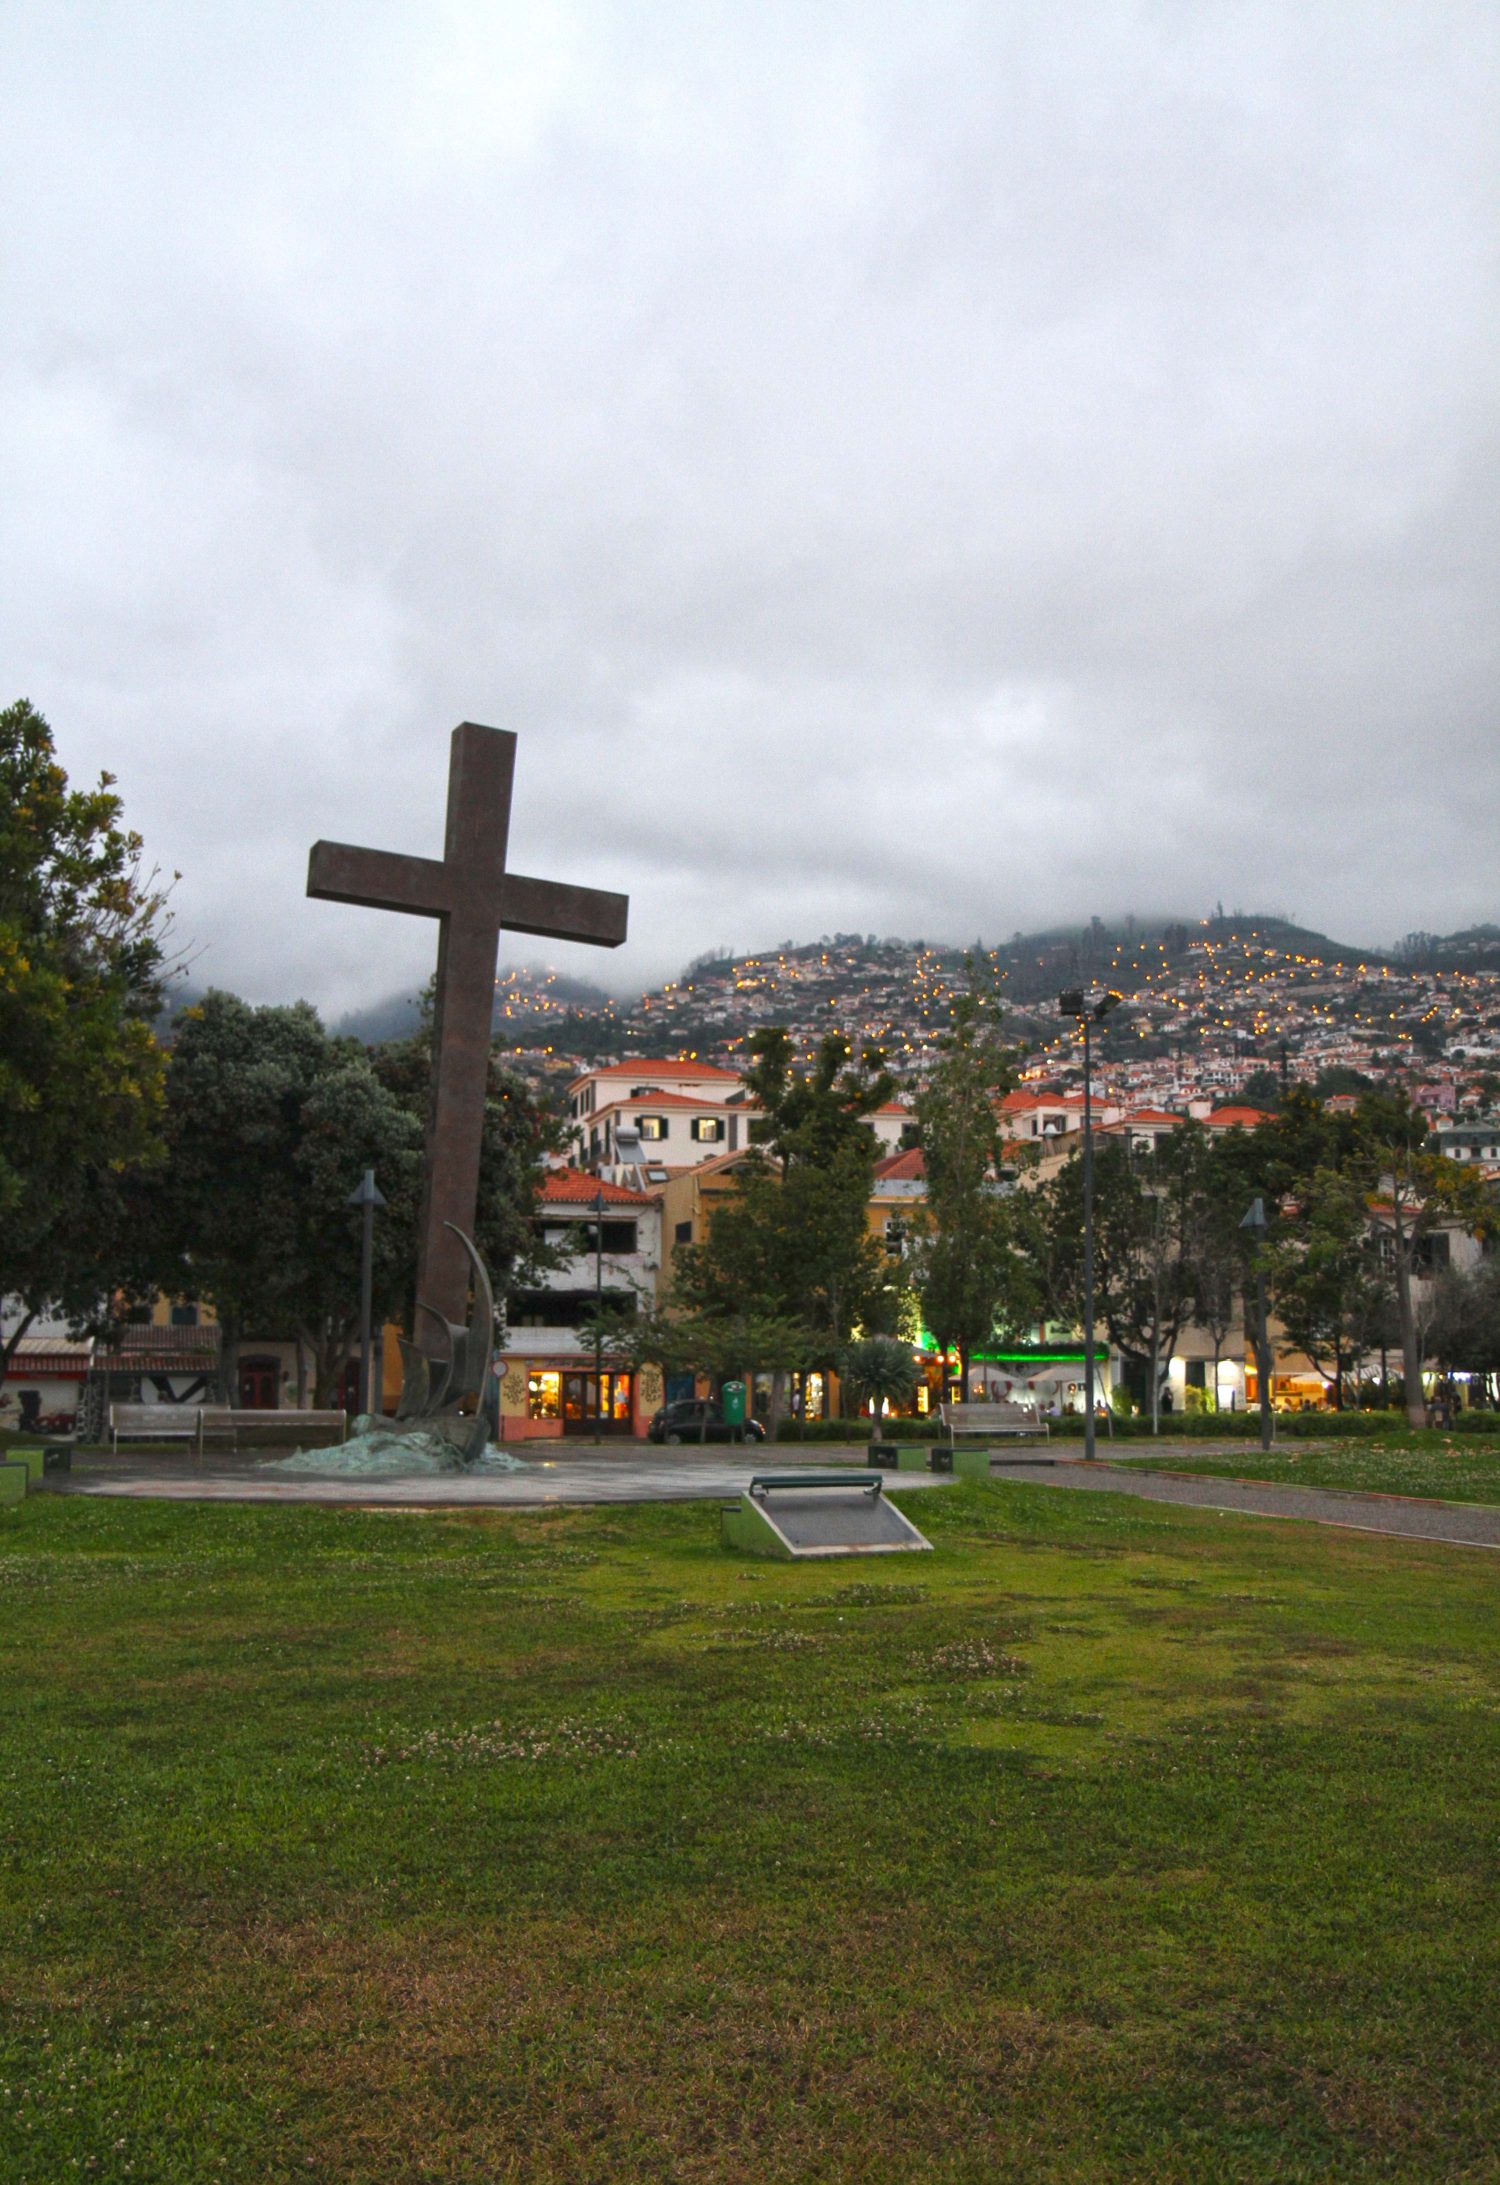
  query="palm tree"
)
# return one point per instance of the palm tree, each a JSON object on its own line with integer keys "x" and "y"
{"x": 882, "y": 1368}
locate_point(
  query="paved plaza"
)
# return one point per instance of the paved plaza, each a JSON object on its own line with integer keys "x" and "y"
{"x": 572, "y": 1475}
{"x": 565, "y": 1475}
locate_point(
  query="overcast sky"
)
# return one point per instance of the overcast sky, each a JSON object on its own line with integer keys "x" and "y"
{"x": 927, "y": 468}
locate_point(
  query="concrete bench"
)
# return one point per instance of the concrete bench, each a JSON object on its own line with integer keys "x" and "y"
{"x": 235, "y": 1427}
{"x": 26, "y": 1468}
{"x": 154, "y": 1422}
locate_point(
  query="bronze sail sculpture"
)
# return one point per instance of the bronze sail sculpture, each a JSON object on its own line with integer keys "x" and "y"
{"x": 437, "y": 1379}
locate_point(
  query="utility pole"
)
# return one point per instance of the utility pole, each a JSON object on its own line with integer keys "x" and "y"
{"x": 366, "y": 1196}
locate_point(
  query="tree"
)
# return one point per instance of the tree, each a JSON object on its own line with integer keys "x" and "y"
{"x": 969, "y": 1270}
{"x": 881, "y": 1368}
{"x": 1418, "y": 1190}
{"x": 793, "y": 1244}
{"x": 82, "y": 933}
{"x": 1218, "y": 1266}
{"x": 1145, "y": 1220}
{"x": 270, "y": 1124}
{"x": 1319, "y": 1268}
{"x": 1261, "y": 1089}
{"x": 1465, "y": 1332}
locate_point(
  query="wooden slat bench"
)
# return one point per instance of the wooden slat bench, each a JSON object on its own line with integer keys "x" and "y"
{"x": 226, "y": 1424}
{"x": 154, "y": 1422}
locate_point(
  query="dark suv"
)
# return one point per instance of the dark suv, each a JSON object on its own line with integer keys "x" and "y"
{"x": 694, "y": 1420}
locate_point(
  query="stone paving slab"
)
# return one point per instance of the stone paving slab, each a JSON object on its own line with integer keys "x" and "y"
{"x": 634, "y": 1475}
{"x": 1458, "y": 1524}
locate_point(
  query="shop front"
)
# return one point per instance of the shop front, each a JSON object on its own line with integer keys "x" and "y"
{"x": 557, "y": 1397}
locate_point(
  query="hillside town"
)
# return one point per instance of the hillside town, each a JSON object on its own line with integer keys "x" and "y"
{"x": 1206, "y": 1011}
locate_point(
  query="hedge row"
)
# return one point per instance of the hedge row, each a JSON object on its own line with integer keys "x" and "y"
{"x": 1195, "y": 1425}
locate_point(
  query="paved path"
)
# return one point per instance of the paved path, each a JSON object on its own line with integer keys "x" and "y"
{"x": 634, "y": 1475}
{"x": 1461, "y": 1524}
{"x": 638, "y": 1474}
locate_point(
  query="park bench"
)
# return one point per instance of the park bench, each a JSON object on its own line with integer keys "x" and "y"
{"x": 972, "y": 1428}
{"x": 154, "y": 1422}
{"x": 237, "y": 1427}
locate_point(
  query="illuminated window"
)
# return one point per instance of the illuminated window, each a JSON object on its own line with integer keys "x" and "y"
{"x": 544, "y": 1396}
{"x": 707, "y": 1129}
{"x": 652, "y": 1126}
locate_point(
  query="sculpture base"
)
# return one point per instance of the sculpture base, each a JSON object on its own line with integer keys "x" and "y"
{"x": 384, "y": 1449}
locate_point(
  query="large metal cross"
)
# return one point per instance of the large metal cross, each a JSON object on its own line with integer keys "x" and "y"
{"x": 472, "y": 896}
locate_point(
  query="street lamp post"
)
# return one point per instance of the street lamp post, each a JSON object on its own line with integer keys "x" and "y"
{"x": 1255, "y": 1222}
{"x": 1076, "y": 1003}
{"x": 598, "y": 1309}
{"x": 366, "y": 1196}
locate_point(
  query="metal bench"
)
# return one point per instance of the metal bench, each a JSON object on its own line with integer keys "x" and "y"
{"x": 973, "y": 1428}
{"x": 260, "y": 1426}
{"x": 155, "y": 1422}
{"x": 992, "y": 1420}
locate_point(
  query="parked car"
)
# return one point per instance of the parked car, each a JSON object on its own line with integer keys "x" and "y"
{"x": 694, "y": 1420}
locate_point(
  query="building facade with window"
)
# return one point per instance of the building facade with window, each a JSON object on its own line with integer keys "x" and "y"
{"x": 607, "y": 1241}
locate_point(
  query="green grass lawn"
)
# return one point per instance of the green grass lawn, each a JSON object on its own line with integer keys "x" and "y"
{"x": 1449, "y": 1467}
{"x": 1110, "y": 1842}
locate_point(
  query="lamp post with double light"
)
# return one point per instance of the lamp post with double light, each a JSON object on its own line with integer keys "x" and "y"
{"x": 1255, "y": 1221}
{"x": 1089, "y": 1007}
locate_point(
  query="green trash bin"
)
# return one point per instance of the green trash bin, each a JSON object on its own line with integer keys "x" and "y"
{"x": 732, "y": 1404}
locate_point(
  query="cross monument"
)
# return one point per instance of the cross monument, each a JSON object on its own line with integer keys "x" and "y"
{"x": 472, "y": 896}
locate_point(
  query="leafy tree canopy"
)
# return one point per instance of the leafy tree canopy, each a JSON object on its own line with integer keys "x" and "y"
{"x": 82, "y": 930}
{"x": 270, "y": 1124}
{"x": 972, "y": 1263}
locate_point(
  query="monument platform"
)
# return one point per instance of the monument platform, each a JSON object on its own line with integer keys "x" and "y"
{"x": 571, "y": 1475}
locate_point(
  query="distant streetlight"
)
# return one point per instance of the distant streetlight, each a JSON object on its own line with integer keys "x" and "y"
{"x": 1255, "y": 1222}
{"x": 366, "y": 1196}
{"x": 1089, "y": 1008}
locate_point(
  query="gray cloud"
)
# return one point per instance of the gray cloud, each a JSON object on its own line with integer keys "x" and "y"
{"x": 929, "y": 470}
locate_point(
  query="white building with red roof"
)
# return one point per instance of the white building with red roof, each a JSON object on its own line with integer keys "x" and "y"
{"x": 641, "y": 1122}
{"x": 608, "y": 1240}
{"x": 1032, "y": 1114}
{"x": 644, "y": 1118}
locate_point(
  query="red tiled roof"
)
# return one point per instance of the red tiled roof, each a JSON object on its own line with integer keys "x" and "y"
{"x": 1021, "y": 1102}
{"x": 1237, "y": 1116}
{"x": 573, "y": 1187}
{"x": 901, "y": 1167}
{"x": 719, "y": 1163}
{"x": 640, "y": 1067}
{"x": 654, "y": 1098}
{"x": 46, "y": 1355}
{"x": 141, "y": 1348}
{"x": 1152, "y": 1115}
